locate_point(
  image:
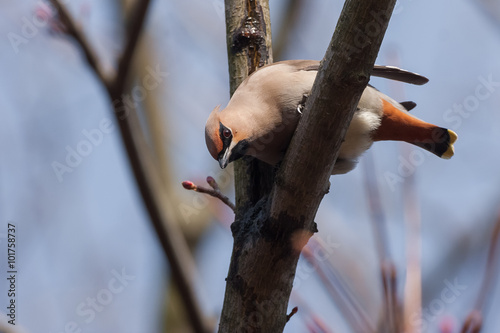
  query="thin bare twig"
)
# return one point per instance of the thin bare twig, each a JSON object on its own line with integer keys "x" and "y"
{"x": 74, "y": 31}
{"x": 413, "y": 282}
{"x": 474, "y": 320}
{"x": 317, "y": 325}
{"x": 387, "y": 269}
{"x": 491, "y": 269}
{"x": 338, "y": 290}
{"x": 290, "y": 315}
{"x": 390, "y": 288}
{"x": 133, "y": 32}
{"x": 160, "y": 209}
{"x": 336, "y": 278}
{"x": 311, "y": 320}
{"x": 214, "y": 192}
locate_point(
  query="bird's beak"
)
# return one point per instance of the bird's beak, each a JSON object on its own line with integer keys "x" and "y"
{"x": 224, "y": 159}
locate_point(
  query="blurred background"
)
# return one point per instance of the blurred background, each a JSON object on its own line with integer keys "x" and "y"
{"x": 87, "y": 256}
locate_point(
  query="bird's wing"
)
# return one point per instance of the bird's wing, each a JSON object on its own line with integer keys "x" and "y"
{"x": 387, "y": 72}
{"x": 398, "y": 74}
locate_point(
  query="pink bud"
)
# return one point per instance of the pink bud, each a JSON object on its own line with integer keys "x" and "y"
{"x": 189, "y": 185}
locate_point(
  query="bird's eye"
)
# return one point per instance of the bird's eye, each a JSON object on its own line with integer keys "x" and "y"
{"x": 226, "y": 133}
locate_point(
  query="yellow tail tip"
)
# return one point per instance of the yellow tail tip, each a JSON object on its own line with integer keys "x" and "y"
{"x": 450, "y": 151}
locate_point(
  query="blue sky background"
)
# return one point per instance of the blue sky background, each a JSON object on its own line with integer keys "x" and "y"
{"x": 74, "y": 235}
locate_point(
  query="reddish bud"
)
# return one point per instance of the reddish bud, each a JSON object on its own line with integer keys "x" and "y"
{"x": 189, "y": 185}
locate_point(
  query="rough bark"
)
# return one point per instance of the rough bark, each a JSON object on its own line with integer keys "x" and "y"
{"x": 270, "y": 229}
{"x": 248, "y": 31}
{"x": 344, "y": 74}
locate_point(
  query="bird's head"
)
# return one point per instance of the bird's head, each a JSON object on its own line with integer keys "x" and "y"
{"x": 225, "y": 137}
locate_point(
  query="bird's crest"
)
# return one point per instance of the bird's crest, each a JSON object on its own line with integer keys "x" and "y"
{"x": 212, "y": 137}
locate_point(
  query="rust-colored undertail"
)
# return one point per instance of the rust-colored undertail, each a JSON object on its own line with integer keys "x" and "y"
{"x": 398, "y": 125}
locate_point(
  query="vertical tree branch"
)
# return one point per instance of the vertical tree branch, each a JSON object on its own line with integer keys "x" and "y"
{"x": 475, "y": 318}
{"x": 265, "y": 255}
{"x": 391, "y": 321}
{"x": 248, "y": 36}
{"x": 134, "y": 29}
{"x": 248, "y": 28}
{"x": 413, "y": 284}
{"x": 344, "y": 74}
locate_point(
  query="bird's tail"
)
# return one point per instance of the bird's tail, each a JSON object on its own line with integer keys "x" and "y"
{"x": 441, "y": 142}
{"x": 398, "y": 125}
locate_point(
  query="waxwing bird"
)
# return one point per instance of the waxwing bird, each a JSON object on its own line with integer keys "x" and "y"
{"x": 264, "y": 111}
